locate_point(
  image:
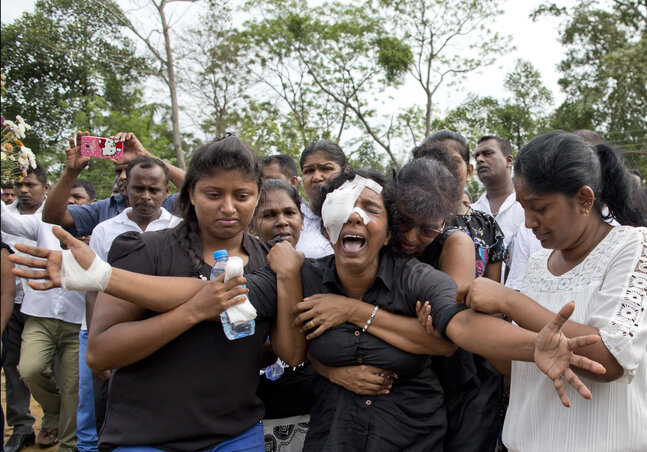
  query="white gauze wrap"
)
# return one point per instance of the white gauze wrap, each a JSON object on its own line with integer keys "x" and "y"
{"x": 340, "y": 204}
{"x": 244, "y": 311}
{"x": 74, "y": 277}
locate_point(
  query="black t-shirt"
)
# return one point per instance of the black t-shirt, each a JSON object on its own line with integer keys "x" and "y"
{"x": 199, "y": 389}
{"x": 412, "y": 416}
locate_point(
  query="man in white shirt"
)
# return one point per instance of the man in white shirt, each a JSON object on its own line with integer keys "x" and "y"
{"x": 30, "y": 197}
{"x": 51, "y": 332}
{"x": 494, "y": 162}
{"x": 146, "y": 188}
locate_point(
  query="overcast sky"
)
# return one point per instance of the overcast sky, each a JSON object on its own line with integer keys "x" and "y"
{"x": 536, "y": 42}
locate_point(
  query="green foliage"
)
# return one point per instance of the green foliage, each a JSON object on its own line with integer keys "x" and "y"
{"x": 517, "y": 118}
{"x": 448, "y": 39}
{"x": 394, "y": 56}
{"x": 365, "y": 156}
{"x": 71, "y": 68}
{"x": 605, "y": 70}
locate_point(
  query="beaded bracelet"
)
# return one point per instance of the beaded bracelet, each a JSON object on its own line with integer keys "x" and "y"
{"x": 370, "y": 319}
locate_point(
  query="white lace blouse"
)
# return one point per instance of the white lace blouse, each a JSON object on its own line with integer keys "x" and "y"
{"x": 610, "y": 292}
{"x": 312, "y": 243}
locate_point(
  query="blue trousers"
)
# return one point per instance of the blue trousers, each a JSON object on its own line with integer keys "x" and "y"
{"x": 86, "y": 429}
{"x": 249, "y": 441}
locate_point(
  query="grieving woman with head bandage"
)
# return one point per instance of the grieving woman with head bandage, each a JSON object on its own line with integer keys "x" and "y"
{"x": 360, "y": 313}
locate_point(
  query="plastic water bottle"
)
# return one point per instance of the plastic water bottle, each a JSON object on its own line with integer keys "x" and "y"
{"x": 275, "y": 371}
{"x": 231, "y": 331}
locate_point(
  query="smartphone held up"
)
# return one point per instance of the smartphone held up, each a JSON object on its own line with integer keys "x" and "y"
{"x": 103, "y": 148}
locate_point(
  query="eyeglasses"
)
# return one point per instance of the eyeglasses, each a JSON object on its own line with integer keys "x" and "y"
{"x": 425, "y": 230}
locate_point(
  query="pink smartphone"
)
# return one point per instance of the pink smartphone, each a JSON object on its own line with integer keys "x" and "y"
{"x": 103, "y": 148}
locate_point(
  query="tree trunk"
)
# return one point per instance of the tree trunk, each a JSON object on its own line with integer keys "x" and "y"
{"x": 170, "y": 70}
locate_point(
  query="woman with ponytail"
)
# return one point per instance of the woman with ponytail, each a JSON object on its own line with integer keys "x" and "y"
{"x": 568, "y": 189}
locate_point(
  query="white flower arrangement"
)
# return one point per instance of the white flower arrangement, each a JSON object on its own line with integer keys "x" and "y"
{"x": 16, "y": 158}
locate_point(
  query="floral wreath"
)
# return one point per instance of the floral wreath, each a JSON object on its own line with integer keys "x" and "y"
{"x": 16, "y": 158}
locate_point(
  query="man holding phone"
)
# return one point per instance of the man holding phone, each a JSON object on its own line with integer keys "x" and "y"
{"x": 81, "y": 220}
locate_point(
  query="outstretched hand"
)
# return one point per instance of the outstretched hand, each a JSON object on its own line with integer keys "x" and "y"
{"x": 50, "y": 260}
{"x": 554, "y": 355}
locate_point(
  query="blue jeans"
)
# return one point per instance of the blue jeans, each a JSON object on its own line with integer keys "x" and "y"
{"x": 249, "y": 441}
{"x": 86, "y": 429}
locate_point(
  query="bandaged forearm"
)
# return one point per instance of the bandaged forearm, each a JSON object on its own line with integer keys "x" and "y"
{"x": 74, "y": 277}
{"x": 245, "y": 311}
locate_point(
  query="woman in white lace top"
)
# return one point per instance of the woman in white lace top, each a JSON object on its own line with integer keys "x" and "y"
{"x": 563, "y": 185}
{"x": 320, "y": 161}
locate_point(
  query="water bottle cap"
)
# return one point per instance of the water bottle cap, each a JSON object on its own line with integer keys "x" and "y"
{"x": 219, "y": 254}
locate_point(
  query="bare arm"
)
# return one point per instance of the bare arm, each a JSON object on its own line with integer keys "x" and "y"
{"x": 487, "y": 296}
{"x": 403, "y": 332}
{"x": 287, "y": 341}
{"x": 55, "y": 208}
{"x": 551, "y": 351}
{"x": 493, "y": 271}
{"x": 7, "y": 290}
{"x": 133, "y": 149}
{"x": 457, "y": 258}
{"x": 120, "y": 337}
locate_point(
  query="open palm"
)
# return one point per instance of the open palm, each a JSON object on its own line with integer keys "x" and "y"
{"x": 555, "y": 354}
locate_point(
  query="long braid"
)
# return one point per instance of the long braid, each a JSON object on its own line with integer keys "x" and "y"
{"x": 183, "y": 233}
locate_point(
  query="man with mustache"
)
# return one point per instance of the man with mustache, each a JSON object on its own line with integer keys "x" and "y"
{"x": 494, "y": 162}
{"x": 147, "y": 186}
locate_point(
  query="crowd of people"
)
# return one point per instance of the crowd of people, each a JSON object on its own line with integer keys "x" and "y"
{"x": 393, "y": 312}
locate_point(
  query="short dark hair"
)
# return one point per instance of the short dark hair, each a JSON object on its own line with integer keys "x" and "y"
{"x": 146, "y": 161}
{"x": 439, "y": 152}
{"x": 38, "y": 172}
{"x": 504, "y": 144}
{"x": 286, "y": 164}
{"x": 87, "y": 185}
{"x": 331, "y": 149}
{"x": 270, "y": 185}
{"x": 445, "y": 135}
{"x": 7, "y": 185}
{"x": 425, "y": 189}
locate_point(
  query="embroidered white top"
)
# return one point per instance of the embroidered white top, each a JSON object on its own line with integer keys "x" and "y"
{"x": 610, "y": 292}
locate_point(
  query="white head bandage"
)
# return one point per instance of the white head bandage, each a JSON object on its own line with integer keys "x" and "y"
{"x": 74, "y": 277}
{"x": 340, "y": 204}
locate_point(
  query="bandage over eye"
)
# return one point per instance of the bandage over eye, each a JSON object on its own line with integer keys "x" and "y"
{"x": 74, "y": 277}
{"x": 340, "y": 204}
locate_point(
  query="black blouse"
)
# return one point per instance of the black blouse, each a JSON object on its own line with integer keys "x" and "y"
{"x": 199, "y": 389}
{"x": 412, "y": 416}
